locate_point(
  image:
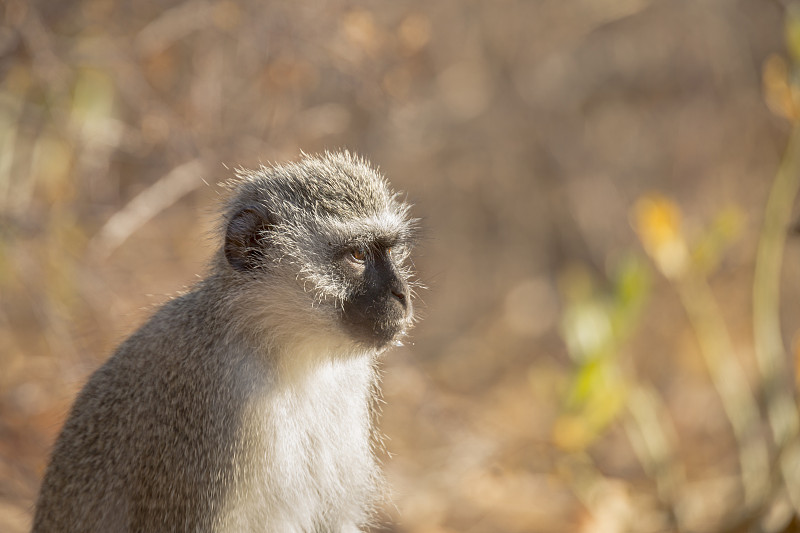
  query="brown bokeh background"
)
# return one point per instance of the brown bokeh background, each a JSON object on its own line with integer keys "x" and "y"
{"x": 592, "y": 176}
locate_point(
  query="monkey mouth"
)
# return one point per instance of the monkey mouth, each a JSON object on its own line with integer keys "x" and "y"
{"x": 384, "y": 332}
{"x": 378, "y": 325}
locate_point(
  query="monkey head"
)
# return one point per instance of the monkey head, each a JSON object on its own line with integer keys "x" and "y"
{"x": 323, "y": 242}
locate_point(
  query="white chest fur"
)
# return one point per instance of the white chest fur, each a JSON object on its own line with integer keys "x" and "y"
{"x": 307, "y": 461}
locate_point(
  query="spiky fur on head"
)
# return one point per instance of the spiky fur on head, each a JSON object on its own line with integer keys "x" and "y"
{"x": 317, "y": 206}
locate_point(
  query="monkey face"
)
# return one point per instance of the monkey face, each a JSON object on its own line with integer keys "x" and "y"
{"x": 361, "y": 290}
{"x": 378, "y": 307}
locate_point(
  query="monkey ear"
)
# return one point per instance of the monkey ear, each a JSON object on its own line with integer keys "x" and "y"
{"x": 245, "y": 237}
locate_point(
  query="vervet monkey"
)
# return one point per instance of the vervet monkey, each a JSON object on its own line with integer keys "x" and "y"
{"x": 246, "y": 404}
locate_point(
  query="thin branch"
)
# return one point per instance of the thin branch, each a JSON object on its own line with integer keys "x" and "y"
{"x": 179, "y": 182}
{"x": 730, "y": 381}
{"x": 769, "y": 348}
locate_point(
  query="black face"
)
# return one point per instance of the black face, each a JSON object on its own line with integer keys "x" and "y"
{"x": 378, "y": 307}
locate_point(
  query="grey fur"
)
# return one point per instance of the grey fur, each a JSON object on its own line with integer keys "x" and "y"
{"x": 246, "y": 404}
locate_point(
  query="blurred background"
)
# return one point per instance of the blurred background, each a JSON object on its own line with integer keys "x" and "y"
{"x": 607, "y": 189}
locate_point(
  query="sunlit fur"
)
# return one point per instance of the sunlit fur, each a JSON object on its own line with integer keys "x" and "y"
{"x": 243, "y": 405}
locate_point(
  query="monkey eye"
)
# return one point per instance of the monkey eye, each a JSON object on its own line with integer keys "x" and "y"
{"x": 358, "y": 255}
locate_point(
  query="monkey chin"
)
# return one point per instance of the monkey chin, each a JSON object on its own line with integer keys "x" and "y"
{"x": 390, "y": 335}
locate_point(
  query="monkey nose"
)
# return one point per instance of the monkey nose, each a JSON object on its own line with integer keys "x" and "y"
{"x": 399, "y": 292}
